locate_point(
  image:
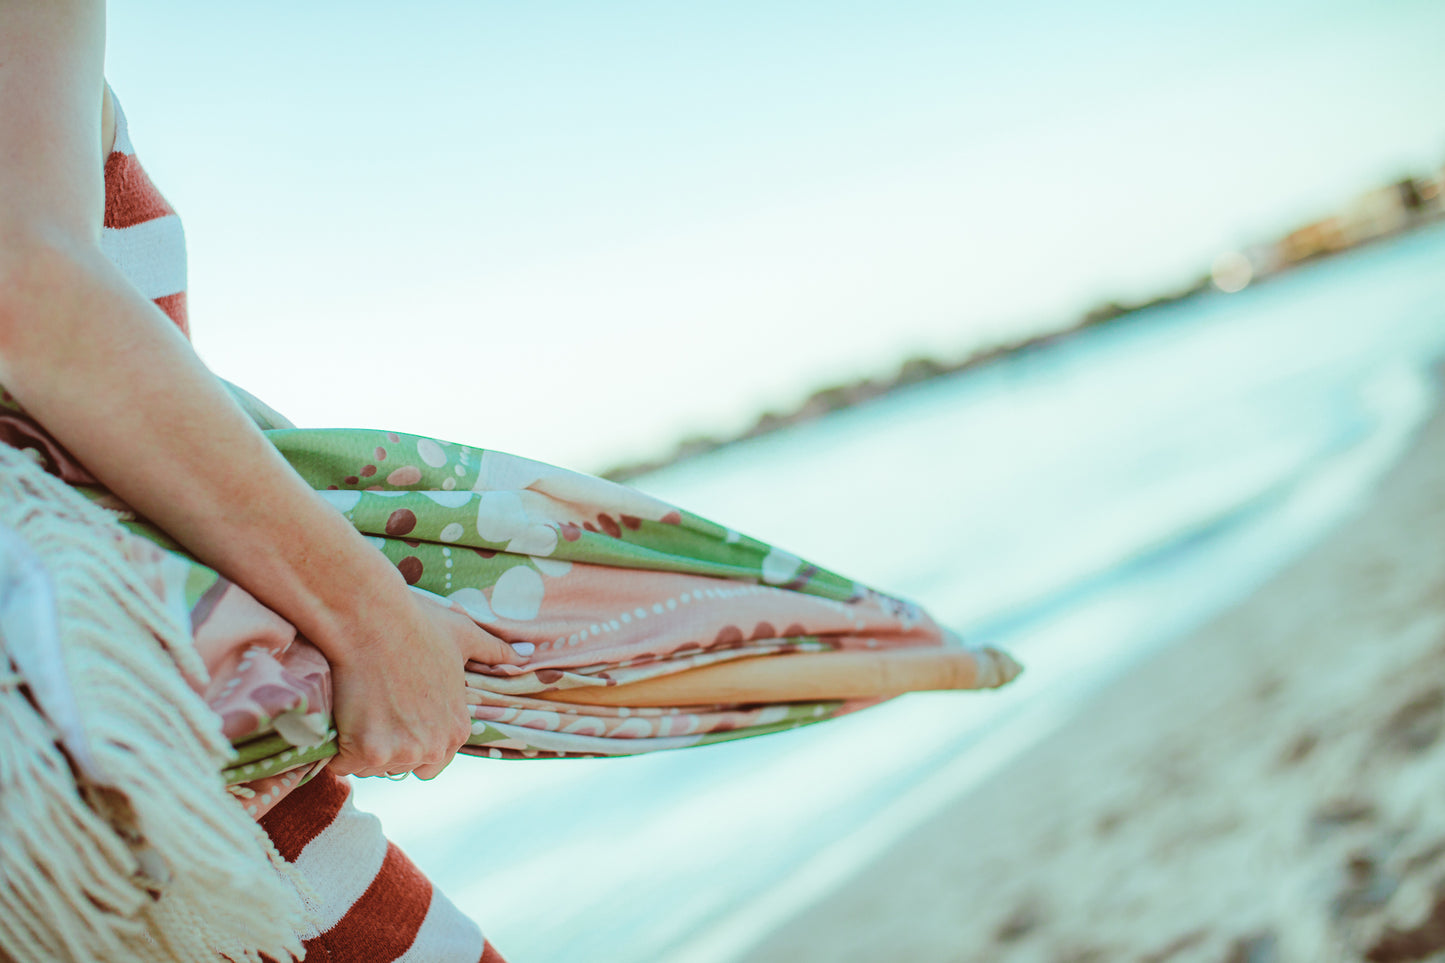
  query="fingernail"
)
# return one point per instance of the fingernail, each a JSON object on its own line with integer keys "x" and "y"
{"x": 523, "y": 648}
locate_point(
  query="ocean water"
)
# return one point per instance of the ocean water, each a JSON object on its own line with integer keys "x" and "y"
{"x": 1078, "y": 504}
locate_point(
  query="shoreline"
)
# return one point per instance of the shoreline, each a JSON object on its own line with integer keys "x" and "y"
{"x": 1262, "y": 789}
{"x": 921, "y": 369}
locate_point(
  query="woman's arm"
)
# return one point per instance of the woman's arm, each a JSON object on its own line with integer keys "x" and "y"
{"x": 108, "y": 375}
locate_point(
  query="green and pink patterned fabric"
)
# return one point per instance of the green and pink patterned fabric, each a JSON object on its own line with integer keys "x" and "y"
{"x": 607, "y": 584}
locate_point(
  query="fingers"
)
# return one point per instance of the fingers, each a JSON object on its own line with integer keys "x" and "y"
{"x": 402, "y": 753}
{"x": 427, "y": 770}
{"x": 484, "y": 647}
{"x": 405, "y": 710}
{"x": 476, "y": 644}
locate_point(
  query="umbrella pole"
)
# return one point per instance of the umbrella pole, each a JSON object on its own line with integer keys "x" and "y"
{"x": 807, "y": 677}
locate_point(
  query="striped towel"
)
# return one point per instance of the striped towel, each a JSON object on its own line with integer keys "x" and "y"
{"x": 375, "y": 905}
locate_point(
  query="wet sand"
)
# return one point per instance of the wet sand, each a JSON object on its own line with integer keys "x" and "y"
{"x": 1271, "y": 789}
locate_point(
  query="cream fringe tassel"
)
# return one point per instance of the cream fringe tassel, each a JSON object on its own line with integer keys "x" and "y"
{"x": 136, "y": 853}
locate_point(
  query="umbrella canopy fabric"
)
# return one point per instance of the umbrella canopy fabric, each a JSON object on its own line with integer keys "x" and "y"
{"x": 610, "y": 586}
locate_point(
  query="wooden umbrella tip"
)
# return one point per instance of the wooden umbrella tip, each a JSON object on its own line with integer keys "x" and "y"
{"x": 996, "y": 668}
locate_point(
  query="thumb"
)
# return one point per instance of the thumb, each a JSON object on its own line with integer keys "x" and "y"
{"x": 476, "y": 644}
{"x": 486, "y": 648}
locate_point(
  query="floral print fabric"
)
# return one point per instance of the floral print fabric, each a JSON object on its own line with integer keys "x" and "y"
{"x": 608, "y": 584}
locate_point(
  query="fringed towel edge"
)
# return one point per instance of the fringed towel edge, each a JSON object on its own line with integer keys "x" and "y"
{"x": 143, "y": 855}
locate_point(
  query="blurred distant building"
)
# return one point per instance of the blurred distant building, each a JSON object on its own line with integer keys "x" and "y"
{"x": 1377, "y": 213}
{"x": 1231, "y": 271}
{"x": 1313, "y": 240}
{"x": 1264, "y": 259}
{"x": 1382, "y": 211}
{"x": 1430, "y": 190}
{"x": 1234, "y": 270}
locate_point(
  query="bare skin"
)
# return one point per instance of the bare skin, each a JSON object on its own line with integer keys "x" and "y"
{"x": 101, "y": 367}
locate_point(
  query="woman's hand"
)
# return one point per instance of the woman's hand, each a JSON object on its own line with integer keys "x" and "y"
{"x": 398, "y": 697}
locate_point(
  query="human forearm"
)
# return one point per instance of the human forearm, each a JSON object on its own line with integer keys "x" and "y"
{"x": 110, "y": 377}
{"x": 113, "y": 380}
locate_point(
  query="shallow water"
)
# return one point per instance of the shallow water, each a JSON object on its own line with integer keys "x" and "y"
{"x": 1078, "y": 504}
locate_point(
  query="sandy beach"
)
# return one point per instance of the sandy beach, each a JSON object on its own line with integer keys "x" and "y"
{"x": 1270, "y": 789}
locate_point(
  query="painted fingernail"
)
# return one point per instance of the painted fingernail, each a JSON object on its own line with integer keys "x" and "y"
{"x": 523, "y": 648}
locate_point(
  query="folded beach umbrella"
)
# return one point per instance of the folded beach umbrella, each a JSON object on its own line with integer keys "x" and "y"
{"x": 650, "y": 628}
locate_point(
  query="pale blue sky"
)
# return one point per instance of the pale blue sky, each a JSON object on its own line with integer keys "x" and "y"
{"x": 577, "y": 230}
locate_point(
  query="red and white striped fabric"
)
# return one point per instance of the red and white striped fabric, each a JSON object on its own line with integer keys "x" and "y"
{"x": 375, "y": 905}
{"x": 142, "y": 235}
